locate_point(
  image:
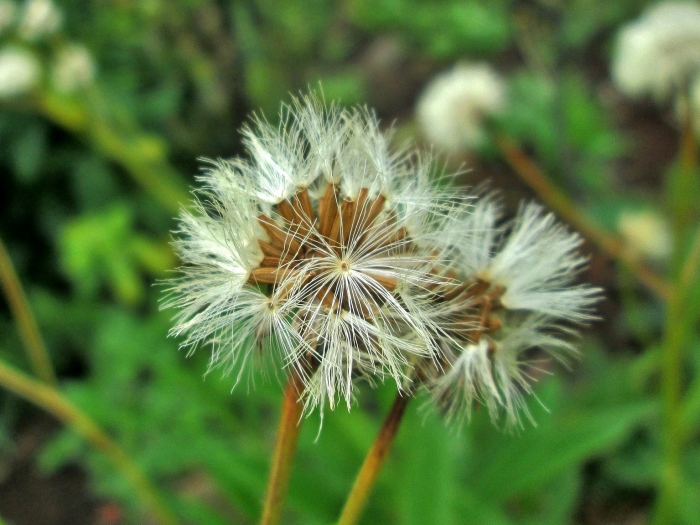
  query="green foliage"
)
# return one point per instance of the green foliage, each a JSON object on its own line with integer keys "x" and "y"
{"x": 91, "y": 179}
{"x": 103, "y": 248}
{"x": 444, "y": 30}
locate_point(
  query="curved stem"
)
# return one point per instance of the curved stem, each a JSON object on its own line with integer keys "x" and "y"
{"x": 285, "y": 446}
{"x": 55, "y": 404}
{"x": 556, "y": 199}
{"x": 26, "y": 323}
{"x": 374, "y": 461}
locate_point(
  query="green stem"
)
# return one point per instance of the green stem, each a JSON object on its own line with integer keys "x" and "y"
{"x": 54, "y": 403}
{"x": 374, "y": 461}
{"x": 677, "y": 330}
{"x": 142, "y": 156}
{"x": 285, "y": 447}
{"x": 26, "y": 323}
{"x": 672, "y": 347}
{"x": 556, "y": 199}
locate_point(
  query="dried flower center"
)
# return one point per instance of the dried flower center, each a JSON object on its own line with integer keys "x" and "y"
{"x": 315, "y": 248}
{"x": 475, "y": 304}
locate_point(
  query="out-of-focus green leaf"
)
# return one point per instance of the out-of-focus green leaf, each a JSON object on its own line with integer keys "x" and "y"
{"x": 105, "y": 248}
{"x": 29, "y": 151}
{"x": 427, "y": 462}
{"x": 539, "y": 454}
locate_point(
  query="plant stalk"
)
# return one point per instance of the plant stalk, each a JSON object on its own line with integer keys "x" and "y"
{"x": 285, "y": 447}
{"x": 374, "y": 461}
{"x": 678, "y": 328}
{"x": 54, "y": 403}
{"x": 142, "y": 156}
{"x": 26, "y": 323}
{"x": 556, "y": 199}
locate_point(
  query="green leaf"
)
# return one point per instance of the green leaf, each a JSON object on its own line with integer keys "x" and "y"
{"x": 426, "y": 467}
{"x": 537, "y": 455}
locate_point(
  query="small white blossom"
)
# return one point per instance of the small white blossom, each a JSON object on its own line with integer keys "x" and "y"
{"x": 39, "y": 18}
{"x": 20, "y": 71}
{"x": 452, "y": 108}
{"x": 647, "y": 233}
{"x": 8, "y": 9}
{"x": 73, "y": 68}
{"x": 660, "y": 52}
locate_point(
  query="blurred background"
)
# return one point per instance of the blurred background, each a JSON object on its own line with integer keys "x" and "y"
{"x": 107, "y": 107}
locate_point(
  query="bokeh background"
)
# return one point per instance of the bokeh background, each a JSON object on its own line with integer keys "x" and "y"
{"x": 107, "y": 107}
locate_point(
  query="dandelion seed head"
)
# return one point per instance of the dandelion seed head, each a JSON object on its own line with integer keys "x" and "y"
{"x": 39, "y": 18}
{"x": 73, "y": 68}
{"x": 345, "y": 260}
{"x": 20, "y": 71}
{"x": 8, "y": 10}
{"x": 511, "y": 289}
{"x": 660, "y": 52}
{"x": 308, "y": 241}
{"x": 452, "y": 109}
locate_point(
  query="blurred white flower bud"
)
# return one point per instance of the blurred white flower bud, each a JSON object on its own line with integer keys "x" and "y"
{"x": 39, "y": 18}
{"x": 73, "y": 68}
{"x": 647, "y": 233}
{"x": 659, "y": 52}
{"x": 20, "y": 71}
{"x": 7, "y": 14}
{"x": 453, "y": 106}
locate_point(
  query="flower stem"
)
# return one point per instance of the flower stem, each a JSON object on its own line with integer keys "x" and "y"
{"x": 26, "y": 323}
{"x": 56, "y": 404}
{"x": 531, "y": 174}
{"x": 285, "y": 446}
{"x": 374, "y": 461}
{"x": 143, "y": 156}
{"x": 679, "y": 326}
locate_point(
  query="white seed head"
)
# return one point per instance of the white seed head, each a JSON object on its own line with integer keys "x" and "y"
{"x": 39, "y": 18}
{"x": 20, "y": 71}
{"x": 341, "y": 259}
{"x": 452, "y": 108}
{"x": 73, "y": 68}
{"x": 8, "y": 10}
{"x": 513, "y": 291}
{"x": 660, "y": 52}
{"x": 309, "y": 243}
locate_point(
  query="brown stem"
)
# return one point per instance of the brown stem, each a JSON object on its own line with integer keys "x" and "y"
{"x": 374, "y": 461}
{"x": 51, "y": 400}
{"x": 285, "y": 446}
{"x": 26, "y": 323}
{"x": 531, "y": 174}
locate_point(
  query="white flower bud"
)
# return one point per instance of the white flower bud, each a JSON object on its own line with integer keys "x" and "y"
{"x": 452, "y": 108}
{"x": 658, "y": 53}
{"x": 39, "y": 18}
{"x": 8, "y": 10}
{"x": 647, "y": 233}
{"x": 73, "y": 68}
{"x": 20, "y": 71}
